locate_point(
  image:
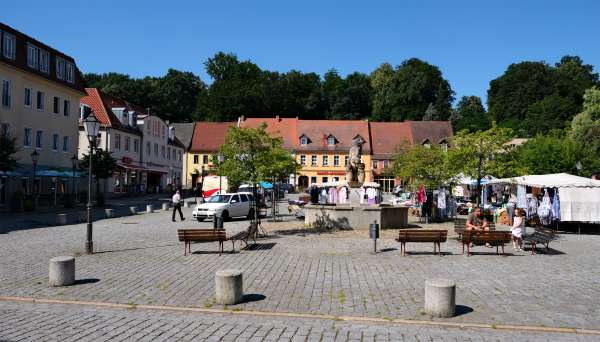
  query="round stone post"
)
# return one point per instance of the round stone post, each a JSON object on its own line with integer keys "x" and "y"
{"x": 149, "y": 208}
{"x": 61, "y": 219}
{"x": 133, "y": 210}
{"x": 109, "y": 213}
{"x": 165, "y": 206}
{"x": 61, "y": 271}
{"x": 229, "y": 287}
{"x": 440, "y": 297}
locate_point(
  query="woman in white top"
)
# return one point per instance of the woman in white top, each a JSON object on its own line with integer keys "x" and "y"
{"x": 517, "y": 230}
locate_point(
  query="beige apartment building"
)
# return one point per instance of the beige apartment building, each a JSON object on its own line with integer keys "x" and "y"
{"x": 39, "y": 99}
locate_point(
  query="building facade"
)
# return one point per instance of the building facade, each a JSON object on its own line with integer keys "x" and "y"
{"x": 206, "y": 140}
{"x": 40, "y": 92}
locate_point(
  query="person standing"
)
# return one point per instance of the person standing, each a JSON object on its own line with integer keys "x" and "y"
{"x": 177, "y": 206}
{"x": 517, "y": 230}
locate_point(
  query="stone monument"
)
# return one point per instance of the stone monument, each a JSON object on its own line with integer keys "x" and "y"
{"x": 355, "y": 171}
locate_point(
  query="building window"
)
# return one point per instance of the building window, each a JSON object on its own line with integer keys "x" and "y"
{"x": 40, "y": 101}
{"x": 179, "y": 153}
{"x": 195, "y": 159}
{"x": 386, "y": 164}
{"x": 374, "y": 164}
{"x": 117, "y": 141}
{"x": 168, "y": 153}
{"x": 325, "y": 179}
{"x": 302, "y": 160}
{"x": 205, "y": 159}
{"x": 27, "y": 137}
{"x": 54, "y": 142}
{"x": 56, "y": 107}
{"x": 70, "y": 73}
{"x": 127, "y": 142}
{"x": 39, "y": 135}
{"x": 27, "y": 97}
{"x": 313, "y": 180}
{"x": 336, "y": 160}
{"x": 325, "y": 160}
{"x": 8, "y": 46}
{"x": 303, "y": 141}
{"x": 155, "y": 149}
{"x": 65, "y": 144}
{"x": 60, "y": 68}
{"x": 136, "y": 146}
{"x": 445, "y": 146}
{"x": 32, "y": 56}
{"x": 346, "y": 160}
{"x": 148, "y": 148}
{"x": 162, "y": 152}
{"x": 6, "y": 93}
{"x": 44, "y": 61}
{"x": 66, "y": 107}
{"x": 331, "y": 140}
{"x": 313, "y": 160}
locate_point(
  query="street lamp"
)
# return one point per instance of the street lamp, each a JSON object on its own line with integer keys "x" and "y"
{"x": 35, "y": 156}
{"x": 74, "y": 164}
{"x": 220, "y": 158}
{"x": 91, "y": 126}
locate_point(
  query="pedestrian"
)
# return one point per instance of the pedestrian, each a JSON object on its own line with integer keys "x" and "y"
{"x": 477, "y": 221}
{"x": 177, "y": 206}
{"x": 517, "y": 230}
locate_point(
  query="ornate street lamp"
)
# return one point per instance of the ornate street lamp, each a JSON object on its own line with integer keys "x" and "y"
{"x": 35, "y": 156}
{"x": 91, "y": 126}
{"x": 74, "y": 164}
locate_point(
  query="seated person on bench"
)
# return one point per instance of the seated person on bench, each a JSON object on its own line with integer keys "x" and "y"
{"x": 476, "y": 221}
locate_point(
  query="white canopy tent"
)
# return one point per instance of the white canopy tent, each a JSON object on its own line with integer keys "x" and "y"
{"x": 579, "y": 196}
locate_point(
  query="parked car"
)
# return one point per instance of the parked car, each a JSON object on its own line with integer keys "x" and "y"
{"x": 226, "y": 206}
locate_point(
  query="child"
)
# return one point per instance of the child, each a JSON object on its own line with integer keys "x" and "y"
{"x": 517, "y": 229}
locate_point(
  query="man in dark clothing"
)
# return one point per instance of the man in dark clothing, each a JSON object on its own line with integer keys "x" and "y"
{"x": 177, "y": 206}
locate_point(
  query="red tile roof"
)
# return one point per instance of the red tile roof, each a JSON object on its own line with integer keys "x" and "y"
{"x": 276, "y": 127}
{"x": 387, "y": 136}
{"x": 434, "y": 131}
{"x": 344, "y": 132}
{"x": 209, "y": 136}
{"x": 101, "y": 103}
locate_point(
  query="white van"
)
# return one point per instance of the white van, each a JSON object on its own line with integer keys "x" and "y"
{"x": 237, "y": 204}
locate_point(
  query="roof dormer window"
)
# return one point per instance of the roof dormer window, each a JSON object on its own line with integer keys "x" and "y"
{"x": 331, "y": 140}
{"x": 303, "y": 140}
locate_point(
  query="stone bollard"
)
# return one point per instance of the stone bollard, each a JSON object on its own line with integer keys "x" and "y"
{"x": 109, "y": 213}
{"x": 165, "y": 206}
{"x": 61, "y": 271}
{"x": 440, "y": 297}
{"x": 149, "y": 208}
{"x": 61, "y": 219}
{"x": 133, "y": 210}
{"x": 229, "y": 287}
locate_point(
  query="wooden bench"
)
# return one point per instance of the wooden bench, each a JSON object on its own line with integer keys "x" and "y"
{"x": 494, "y": 238}
{"x": 187, "y": 236}
{"x": 244, "y": 236}
{"x": 460, "y": 225}
{"x": 542, "y": 236}
{"x": 416, "y": 235}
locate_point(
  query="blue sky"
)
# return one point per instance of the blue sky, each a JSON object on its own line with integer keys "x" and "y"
{"x": 471, "y": 41}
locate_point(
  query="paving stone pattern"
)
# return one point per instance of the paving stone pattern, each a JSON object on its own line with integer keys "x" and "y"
{"x": 43, "y": 322}
{"x": 140, "y": 261}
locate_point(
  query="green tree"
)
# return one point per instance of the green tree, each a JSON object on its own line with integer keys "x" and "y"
{"x": 8, "y": 147}
{"x": 103, "y": 166}
{"x": 483, "y": 153}
{"x": 405, "y": 93}
{"x": 427, "y": 165}
{"x": 585, "y": 128}
{"x": 176, "y": 94}
{"x": 470, "y": 115}
{"x": 348, "y": 98}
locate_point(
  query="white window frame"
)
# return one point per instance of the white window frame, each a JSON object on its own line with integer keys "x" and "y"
{"x": 65, "y": 148}
{"x": 314, "y": 160}
{"x": 9, "y": 43}
{"x": 136, "y": 145}
{"x": 39, "y": 105}
{"x": 336, "y": 160}
{"x": 6, "y": 94}
{"x": 331, "y": 140}
{"x": 27, "y": 137}
{"x": 39, "y": 139}
{"x": 33, "y": 54}
{"x": 346, "y": 160}
{"x": 70, "y": 72}
{"x": 302, "y": 160}
{"x": 117, "y": 141}
{"x": 56, "y": 105}
{"x": 60, "y": 68}
{"x": 44, "y": 61}
{"x": 325, "y": 160}
{"x": 127, "y": 143}
{"x": 66, "y": 107}
{"x": 55, "y": 142}
{"x": 25, "y": 97}
{"x": 303, "y": 141}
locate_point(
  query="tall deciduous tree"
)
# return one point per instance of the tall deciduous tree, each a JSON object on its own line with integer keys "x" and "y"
{"x": 427, "y": 165}
{"x": 470, "y": 115}
{"x": 586, "y": 125}
{"x": 8, "y": 147}
{"x": 103, "y": 167}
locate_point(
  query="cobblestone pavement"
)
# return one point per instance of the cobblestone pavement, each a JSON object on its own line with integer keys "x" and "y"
{"x": 140, "y": 261}
{"x": 43, "y": 322}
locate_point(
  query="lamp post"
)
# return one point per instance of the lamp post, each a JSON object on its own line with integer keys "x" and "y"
{"x": 220, "y": 158}
{"x": 35, "y": 156}
{"x": 91, "y": 126}
{"x": 74, "y": 164}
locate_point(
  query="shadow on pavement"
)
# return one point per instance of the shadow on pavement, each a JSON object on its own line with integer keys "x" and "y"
{"x": 252, "y": 297}
{"x": 460, "y": 310}
{"x": 86, "y": 281}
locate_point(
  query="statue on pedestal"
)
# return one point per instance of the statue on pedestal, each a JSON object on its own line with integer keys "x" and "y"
{"x": 355, "y": 170}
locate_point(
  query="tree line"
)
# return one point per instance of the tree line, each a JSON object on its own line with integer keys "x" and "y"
{"x": 529, "y": 97}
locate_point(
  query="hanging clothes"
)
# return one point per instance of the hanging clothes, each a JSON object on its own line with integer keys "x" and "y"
{"x": 441, "y": 199}
{"x": 544, "y": 210}
{"x": 314, "y": 194}
{"x": 421, "y": 196}
{"x": 371, "y": 195}
{"x": 521, "y": 197}
{"x": 363, "y": 194}
{"x": 342, "y": 195}
{"x": 531, "y": 206}
{"x": 555, "y": 206}
{"x": 323, "y": 196}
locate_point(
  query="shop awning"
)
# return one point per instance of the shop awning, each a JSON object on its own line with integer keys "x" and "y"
{"x": 131, "y": 166}
{"x": 554, "y": 180}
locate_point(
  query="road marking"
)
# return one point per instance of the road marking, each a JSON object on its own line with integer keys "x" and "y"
{"x": 458, "y": 325}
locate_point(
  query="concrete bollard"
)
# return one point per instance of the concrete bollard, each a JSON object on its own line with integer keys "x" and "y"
{"x": 440, "y": 297}
{"x": 61, "y": 219}
{"x": 149, "y": 208}
{"x": 61, "y": 271}
{"x": 165, "y": 206}
{"x": 109, "y": 213}
{"x": 229, "y": 287}
{"x": 133, "y": 210}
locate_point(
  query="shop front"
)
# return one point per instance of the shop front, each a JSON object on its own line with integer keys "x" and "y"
{"x": 127, "y": 177}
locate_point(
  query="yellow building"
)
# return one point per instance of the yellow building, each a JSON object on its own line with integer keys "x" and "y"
{"x": 206, "y": 141}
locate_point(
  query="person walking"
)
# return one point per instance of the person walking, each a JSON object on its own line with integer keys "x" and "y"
{"x": 177, "y": 206}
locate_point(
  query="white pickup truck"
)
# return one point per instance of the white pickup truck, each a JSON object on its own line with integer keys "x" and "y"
{"x": 237, "y": 204}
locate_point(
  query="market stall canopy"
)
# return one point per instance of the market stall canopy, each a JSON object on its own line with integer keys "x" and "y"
{"x": 555, "y": 180}
{"x": 265, "y": 185}
{"x": 464, "y": 180}
{"x": 345, "y": 183}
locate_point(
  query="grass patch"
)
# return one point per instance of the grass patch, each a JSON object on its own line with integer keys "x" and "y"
{"x": 236, "y": 309}
{"x": 208, "y": 305}
{"x": 131, "y": 305}
{"x": 341, "y": 297}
